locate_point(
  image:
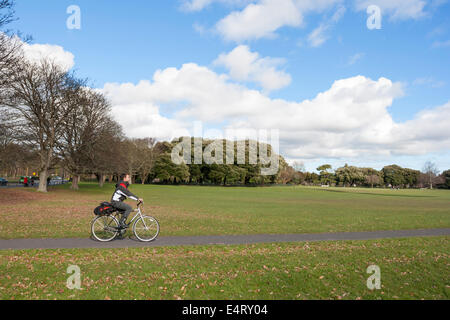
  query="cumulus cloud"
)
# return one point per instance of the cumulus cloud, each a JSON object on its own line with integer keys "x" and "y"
{"x": 259, "y": 20}
{"x": 37, "y": 52}
{"x": 244, "y": 65}
{"x": 263, "y": 18}
{"x": 144, "y": 120}
{"x": 350, "y": 119}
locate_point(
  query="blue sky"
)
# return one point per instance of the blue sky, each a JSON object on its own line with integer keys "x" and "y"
{"x": 128, "y": 42}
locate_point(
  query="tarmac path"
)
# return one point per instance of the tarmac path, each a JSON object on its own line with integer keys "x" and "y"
{"x": 67, "y": 243}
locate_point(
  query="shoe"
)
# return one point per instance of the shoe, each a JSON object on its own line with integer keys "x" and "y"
{"x": 120, "y": 236}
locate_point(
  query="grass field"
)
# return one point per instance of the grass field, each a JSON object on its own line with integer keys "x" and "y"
{"x": 191, "y": 210}
{"x": 415, "y": 268}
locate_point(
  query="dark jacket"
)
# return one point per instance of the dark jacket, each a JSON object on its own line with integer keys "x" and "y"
{"x": 122, "y": 192}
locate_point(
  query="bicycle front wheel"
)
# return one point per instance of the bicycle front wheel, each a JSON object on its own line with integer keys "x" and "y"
{"x": 105, "y": 228}
{"x": 146, "y": 228}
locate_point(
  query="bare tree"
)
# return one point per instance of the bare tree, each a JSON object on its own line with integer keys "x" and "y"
{"x": 82, "y": 133}
{"x": 148, "y": 152}
{"x": 10, "y": 46}
{"x": 6, "y": 12}
{"x": 42, "y": 95}
{"x": 299, "y": 166}
{"x": 108, "y": 156}
{"x": 287, "y": 174}
{"x": 431, "y": 171}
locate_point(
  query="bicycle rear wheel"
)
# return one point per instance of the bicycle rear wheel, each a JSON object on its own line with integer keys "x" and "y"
{"x": 146, "y": 228}
{"x": 105, "y": 228}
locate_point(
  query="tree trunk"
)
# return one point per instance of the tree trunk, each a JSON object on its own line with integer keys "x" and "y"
{"x": 101, "y": 180}
{"x": 43, "y": 174}
{"x": 75, "y": 180}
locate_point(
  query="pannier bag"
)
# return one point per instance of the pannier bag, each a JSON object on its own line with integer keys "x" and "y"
{"x": 104, "y": 208}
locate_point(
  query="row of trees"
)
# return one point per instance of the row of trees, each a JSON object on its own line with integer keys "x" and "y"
{"x": 390, "y": 176}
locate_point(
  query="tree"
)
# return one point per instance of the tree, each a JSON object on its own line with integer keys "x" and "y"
{"x": 393, "y": 175}
{"x": 42, "y": 96}
{"x": 298, "y": 166}
{"x": 311, "y": 178}
{"x": 373, "y": 179}
{"x": 372, "y": 176}
{"x": 108, "y": 158}
{"x": 6, "y": 12}
{"x": 431, "y": 171}
{"x": 287, "y": 174}
{"x": 147, "y": 153}
{"x": 349, "y": 175}
{"x": 10, "y": 45}
{"x": 82, "y": 133}
{"x": 165, "y": 170}
{"x": 446, "y": 178}
{"x": 325, "y": 176}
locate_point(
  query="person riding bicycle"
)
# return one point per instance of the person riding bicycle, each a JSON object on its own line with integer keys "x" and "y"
{"x": 119, "y": 195}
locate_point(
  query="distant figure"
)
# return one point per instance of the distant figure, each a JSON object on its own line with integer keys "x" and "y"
{"x": 25, "y": 181}
{"x": 48, "y": 181}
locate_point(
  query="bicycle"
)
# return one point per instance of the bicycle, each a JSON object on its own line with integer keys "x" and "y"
{"x": 106, "y": 228}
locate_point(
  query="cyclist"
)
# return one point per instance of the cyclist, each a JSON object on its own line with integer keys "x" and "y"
{"x": 119, "y": 195}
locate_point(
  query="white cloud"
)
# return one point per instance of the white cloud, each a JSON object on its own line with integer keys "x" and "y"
{"x": 350, "y": 119}
{"x": 441, "y": 44}
{"x": 318, "y": 36}
{"x": 396, "y": 9}
{"x": 37, "y": 52}
{"x": 262, "y": 19}
{"x": 143, "y": 119}
{"x": 244, "y": 65}
{"x": 199, "y": 28}
{"x": 198, "y": 5}
{"x": 355, "y": 58}
{"x": 259, "y": 20}
{"x": 429, "y": 81}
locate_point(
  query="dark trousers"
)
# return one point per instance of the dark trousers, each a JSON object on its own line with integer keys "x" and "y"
{"x": 124, "y": 208}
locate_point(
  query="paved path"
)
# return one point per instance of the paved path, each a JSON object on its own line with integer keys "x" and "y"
{"x": 225, "y": 239}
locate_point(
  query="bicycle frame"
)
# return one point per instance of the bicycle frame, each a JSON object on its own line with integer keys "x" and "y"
{"x": 136, "y": 216}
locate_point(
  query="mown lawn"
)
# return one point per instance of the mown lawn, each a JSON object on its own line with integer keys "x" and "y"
{"x": 196, "y": 210}
{"x": 414, "y": 268}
